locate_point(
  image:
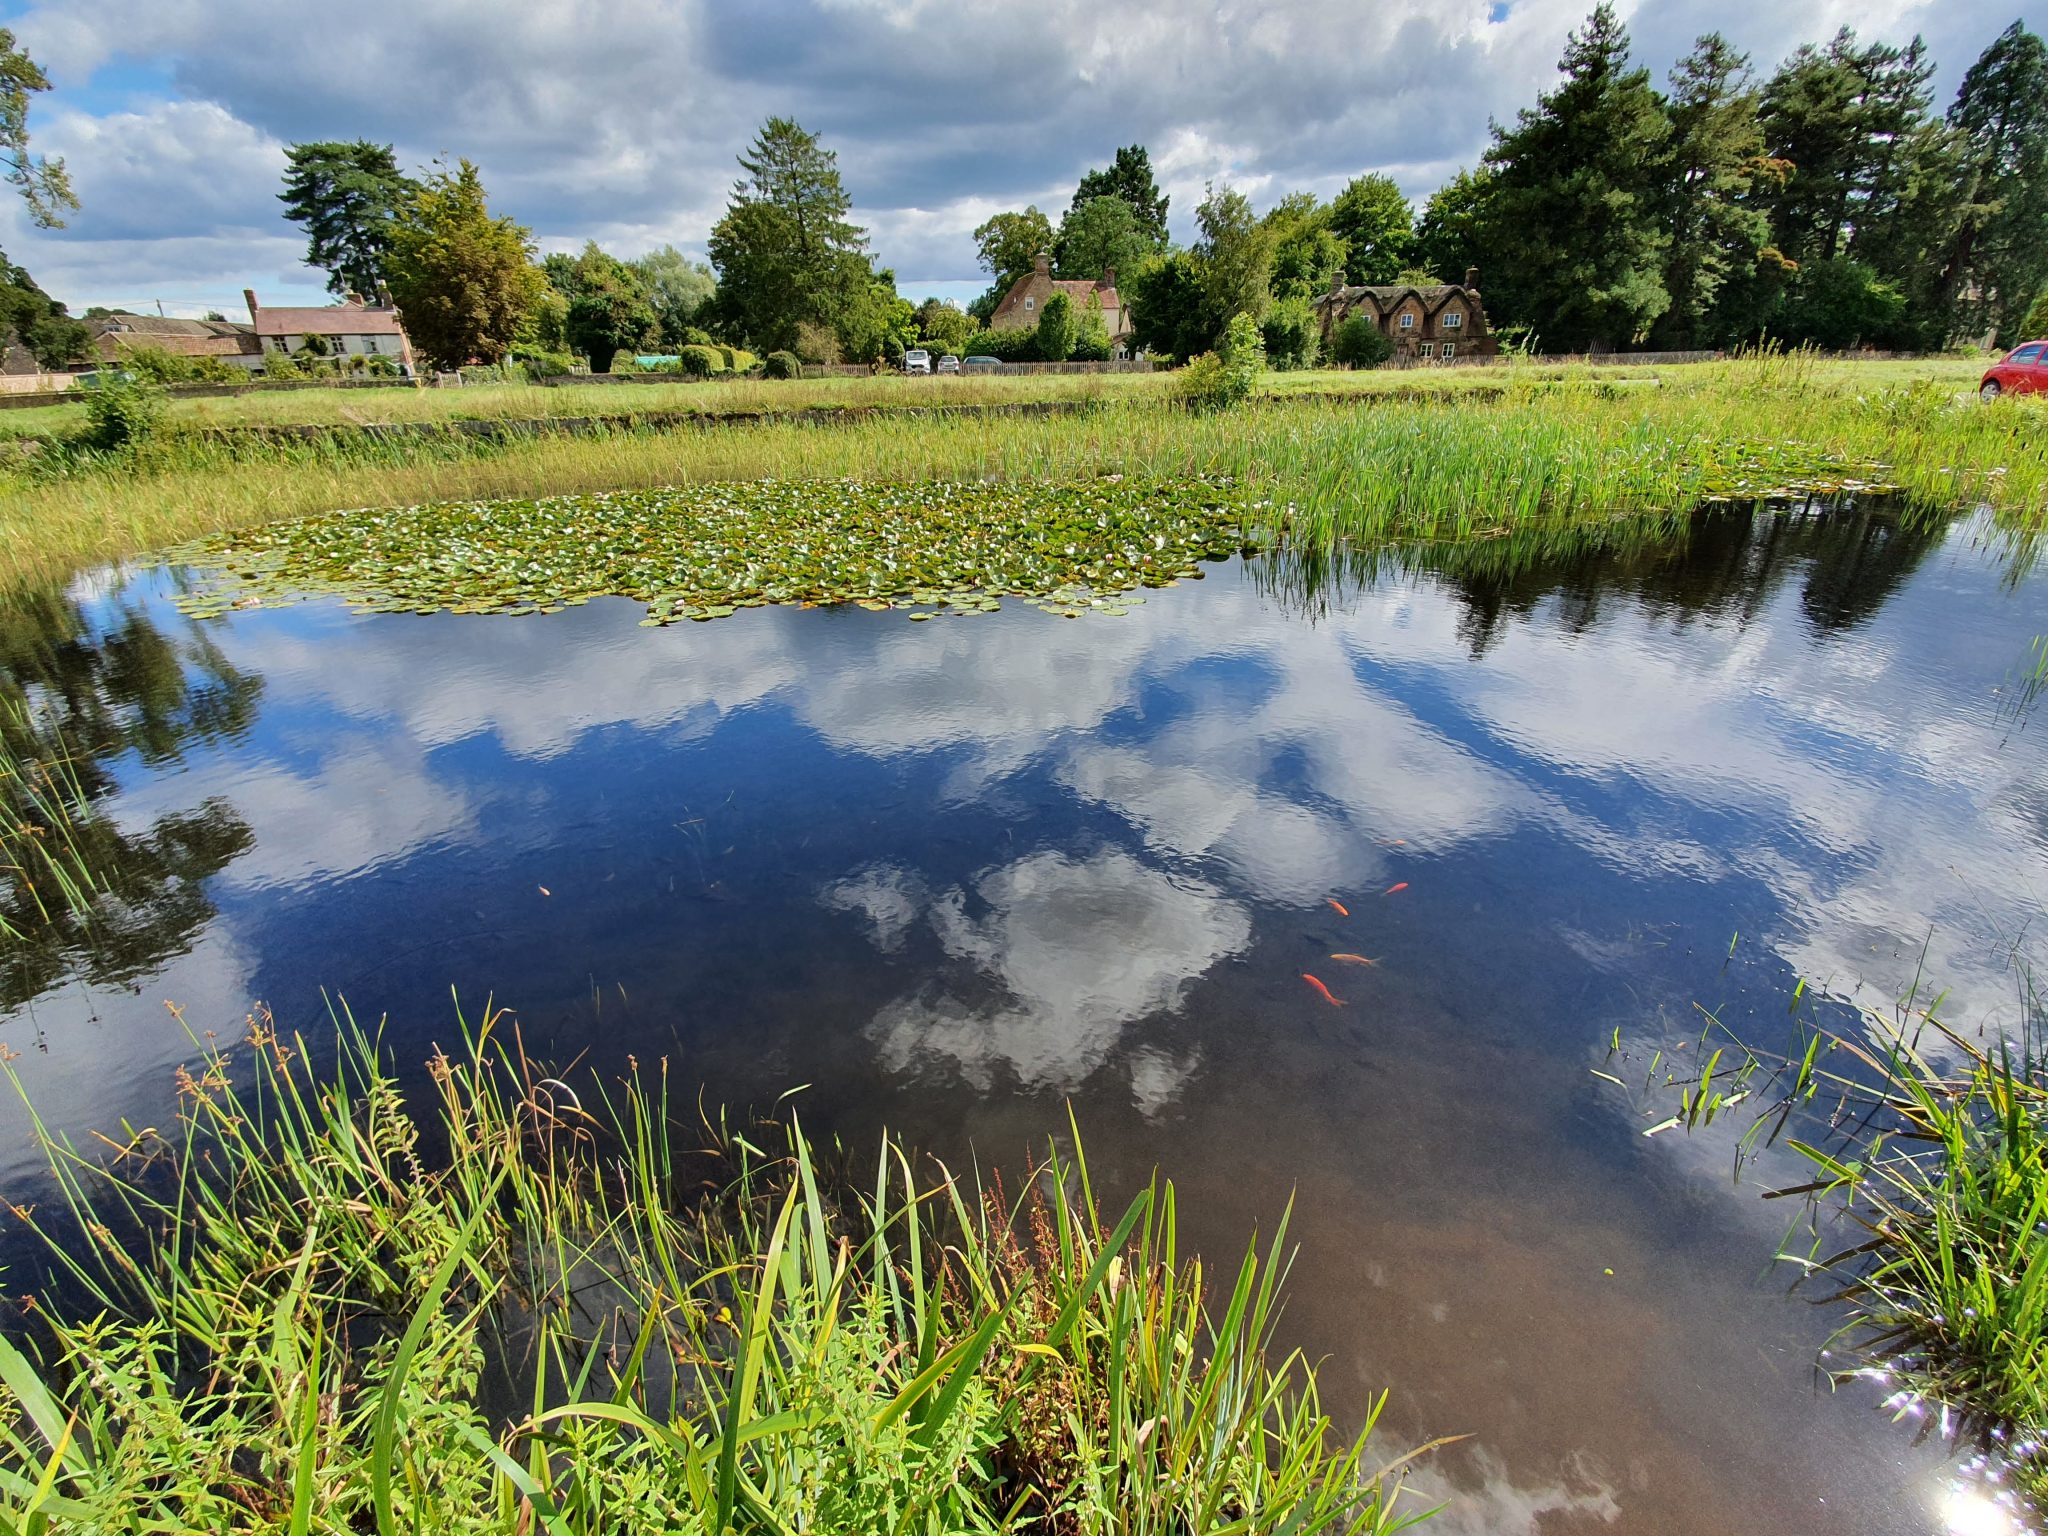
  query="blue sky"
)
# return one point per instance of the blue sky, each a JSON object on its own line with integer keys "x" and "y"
{"x": 621, "y": 123}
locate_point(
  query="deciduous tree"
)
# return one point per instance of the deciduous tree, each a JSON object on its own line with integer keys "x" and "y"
{"x": 41, "y": 181}
{"x": 1129, "y": 177}
{"x": 1236, "y": 253}
{"x": 464, "y": 281}
{"x": 1373, "y": 219}
{"x": 1101, "y": 235}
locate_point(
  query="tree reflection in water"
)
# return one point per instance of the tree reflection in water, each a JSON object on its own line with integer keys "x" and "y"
{"x": 86, "y": 683}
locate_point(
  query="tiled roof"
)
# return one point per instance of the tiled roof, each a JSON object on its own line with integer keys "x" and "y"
{"x": 160, "y": 327}
{"x": 110, "y": 344}
{"x": 328, "y": 320}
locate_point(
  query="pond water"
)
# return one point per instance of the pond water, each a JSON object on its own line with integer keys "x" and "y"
{"x": 954, "y": 875}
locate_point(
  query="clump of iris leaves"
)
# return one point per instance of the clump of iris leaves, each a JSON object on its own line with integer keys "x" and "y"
{"x": 705, "y": 551}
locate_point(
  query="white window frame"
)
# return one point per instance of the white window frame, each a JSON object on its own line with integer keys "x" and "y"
{"x": 1429, "y": 349}
{"x": 1454, "y": 321}
{"x": 1408, "y": 320}
{"x": 1450, "y": 350}
{"x": 1031, "y": 303}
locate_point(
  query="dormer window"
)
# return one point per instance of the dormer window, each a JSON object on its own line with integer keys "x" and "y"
{"x": 1031, "y": 303}
{"x": 1453, "y": 320}
{"x": 1408, "y": 321}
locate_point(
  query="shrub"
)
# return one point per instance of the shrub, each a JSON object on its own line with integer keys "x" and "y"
{"x": 703, "y": 360}
{"x": 381, "y": 367}
{"x": 315, "y": 344}
{"x": 741, "y": 360}
{"x": 1359, "y": 343}
{"x": 1057, "y": 329}
{"x": 1292, "y": 334}
{"x": 123, "y": 414}
{"x": 541, "y": 364}
{"x": 1218, "y": 380}
{"x": 816, "y": 343}
{"x": 1003, "y": 346}
{"x": 281, "y": 365}
{"x": 783, "y": 365}
{"x": 728, "y": 355}
{"x": 161, "y": 366}
{"x": 2035, "y": 326}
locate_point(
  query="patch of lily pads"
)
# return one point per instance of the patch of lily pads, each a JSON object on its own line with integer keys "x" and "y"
{"x": 706, "y": 551}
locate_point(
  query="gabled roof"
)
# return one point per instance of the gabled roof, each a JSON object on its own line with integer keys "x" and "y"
{"x": 162, "y": 327}
{"x": 328, "y": 320}
{"x": 1387, "y": 296}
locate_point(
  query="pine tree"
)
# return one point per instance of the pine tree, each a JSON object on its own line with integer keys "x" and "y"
{"x": 1997, "y": 259}
{"x": 1716, "y": 157}
{"x": 785, "y": 252}
{"x": 346, "y": 196}
{"x": 1575, "y": 206}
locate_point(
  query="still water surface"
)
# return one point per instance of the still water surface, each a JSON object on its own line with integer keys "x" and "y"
{"x": 955, "y": 875}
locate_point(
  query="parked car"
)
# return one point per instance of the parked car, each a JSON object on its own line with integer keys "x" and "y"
{"x": 2022, "y": 371}
{"x": 981, "y": 362}
{"x": 949, "y": 364}
{"x": 917, "y": 360}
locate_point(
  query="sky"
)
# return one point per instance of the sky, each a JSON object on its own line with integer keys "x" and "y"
{"x": 619, "y": 120}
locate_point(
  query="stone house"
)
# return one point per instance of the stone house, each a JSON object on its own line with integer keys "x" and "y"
{"x": 1020, "y": 308}
{"x": 352, "y": 328}
{"x": 231, "y": 341}
{"x": 1438, "y": 321}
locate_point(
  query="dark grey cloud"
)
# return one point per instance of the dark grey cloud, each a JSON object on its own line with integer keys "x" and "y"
{"x": 621, "y": 121}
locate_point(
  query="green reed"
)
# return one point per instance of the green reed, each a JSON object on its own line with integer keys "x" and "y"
{"x": 286, "y": 1314}
{"x": 45, "y": 864}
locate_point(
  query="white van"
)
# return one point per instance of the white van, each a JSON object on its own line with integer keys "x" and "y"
{"x": 917, "y": 360}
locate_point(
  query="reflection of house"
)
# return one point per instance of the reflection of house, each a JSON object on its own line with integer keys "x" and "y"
{"x": 1022, "y": 305}
{"x": 229, "y": 340}
{"x": 348, "y": 329}
{"x": 1438, "y": 320}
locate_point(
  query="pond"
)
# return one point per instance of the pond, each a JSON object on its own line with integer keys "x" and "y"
{"x": 950, "y": 877}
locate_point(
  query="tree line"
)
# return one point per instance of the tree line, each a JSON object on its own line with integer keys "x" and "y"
{"x": 1827, "y": 203}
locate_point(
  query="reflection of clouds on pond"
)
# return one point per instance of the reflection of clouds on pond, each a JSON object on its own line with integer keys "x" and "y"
{"x": 1501, "y": 1506}
{"x": 1077, "y": 949}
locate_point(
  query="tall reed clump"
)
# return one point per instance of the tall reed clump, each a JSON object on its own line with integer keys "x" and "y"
{"x": 45, "y": 870}
{"x": 297, "y": 1318}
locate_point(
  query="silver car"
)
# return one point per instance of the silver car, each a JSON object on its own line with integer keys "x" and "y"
{"x": 949, "y": 364}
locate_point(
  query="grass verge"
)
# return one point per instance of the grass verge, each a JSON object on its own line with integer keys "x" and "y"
{"x": 292, "y": 1322}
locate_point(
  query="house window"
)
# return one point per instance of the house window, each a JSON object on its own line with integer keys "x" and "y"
{"x": 1408, "y": 322}
{"x": 1031, "y": 303}
{"x": 1429, "y": 349}
{"x": 1449, "y": 348}
{"x": 370, "y": 344}
{"x": 1453, "y": 321}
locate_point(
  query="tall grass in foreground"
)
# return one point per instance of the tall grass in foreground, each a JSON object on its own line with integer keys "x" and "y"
{"x": 1331, "y": 470}
{"x": 293, "y": 1322}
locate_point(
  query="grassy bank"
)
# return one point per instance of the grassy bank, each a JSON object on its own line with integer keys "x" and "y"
{"x": 1425, "y": 468}
{"x": 297, "y": 1317}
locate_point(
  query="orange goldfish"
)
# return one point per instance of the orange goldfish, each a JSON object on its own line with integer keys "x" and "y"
{"x": 1342, "y": 910}
{"x": 1334, "y": 1002}
{"x": 1354, "y": 960}
{"x": 1401, "y": 885}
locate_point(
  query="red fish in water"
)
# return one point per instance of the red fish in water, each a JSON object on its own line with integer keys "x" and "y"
{"x": 1334, "y": 1002}
{"x": 1354, "y": 960}
{"x": 1399, "y": 886}
{"x": 1342, "y": 910}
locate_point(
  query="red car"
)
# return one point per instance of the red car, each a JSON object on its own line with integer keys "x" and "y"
{"x": 2023, "y": 371}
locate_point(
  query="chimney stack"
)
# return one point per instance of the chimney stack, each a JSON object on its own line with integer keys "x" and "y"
{"x": 1471, "y": 277}
{"x": 1042, "y": 265}
{"x": 1109, "y": 277}
{"x": 249, "y": 294}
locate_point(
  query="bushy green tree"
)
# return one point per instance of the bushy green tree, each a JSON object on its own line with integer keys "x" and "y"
{"x": 1101, "y": 235}
{"x": 785, "y": 252}
{"x": 1841, "y": 303}
{"x": 1575, "y": 211}
{"x": 464, "y": 281}
{"x": 346, "y": 196}
{"x": 1057, "y": 329}
{"x": 1307, "y": 253}
{"x": 1129, "y": 178}
{"x": 1997, "y": 256}
{"x": 1091, "y": 339}
{"x": 610, "y": 309}
{"x": 1292, "y": 334}
{"x": 1358, "y": 342}
{"x": 1236, "y": 256}
{"x": 944, "y": 324}
{"x": 1169, "y": 308}
{"x": 1228, "y": 376}
{"x": 1716, "y": 157}
{"x": 676, "y": 288}
{"x": 42, "y": 182}
{"x": 1008, "y": 245}
{"x": 31, "y": 318}
{"x": 2035, "y": 326}
{"x": 1373, "y": 219}
{"x": 1452, "y": 235}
